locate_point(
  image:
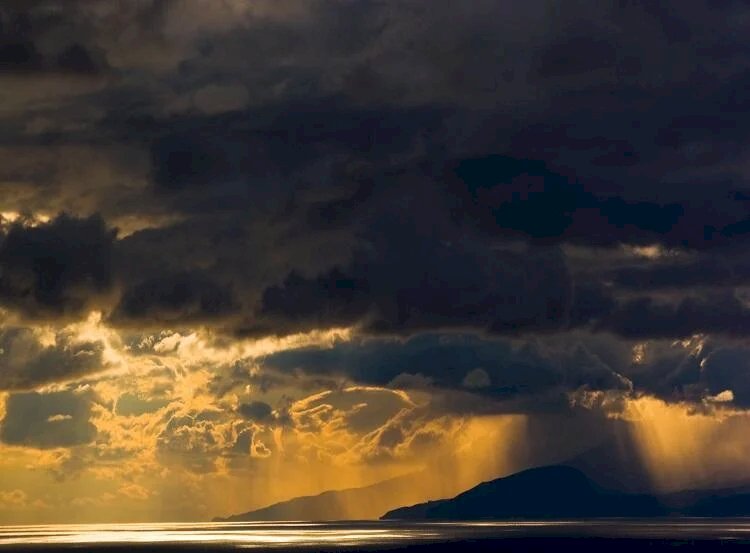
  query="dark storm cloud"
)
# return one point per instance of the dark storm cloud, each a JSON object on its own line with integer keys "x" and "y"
{"x": 183, "y": 297}
{"x": 38, "y": 40}
{"x": 695, "y": 370}
{"x": 729, "y": 268}
{"x": 279, "y": 140}
{"x": 19, "y": 56}
{"x": 680, "y": 274}
{"x": 728, "y": 369}
{"x": 522, "y": 197}
{"x": 501, "y": 369}
{"x": 576, "y": 170}
{"x": 26, "y": 363}
{"x": 56, "y": 268}
{"x": 421, "y": 282}
{"x": 592, "y": 303}
{"x": 485, "y": 375}
{"x": 414, "y": 167}
{"x": 59, "y": 419}
{"x": 644, "y": 317}
{"x": 580, "y": 54}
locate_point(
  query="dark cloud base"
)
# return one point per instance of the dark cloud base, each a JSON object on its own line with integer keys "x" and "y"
{"x": 502, "y": 169}
{"x": 56, "y": 269}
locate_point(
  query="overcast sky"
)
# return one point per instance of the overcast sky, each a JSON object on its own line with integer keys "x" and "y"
{"x": 252, "y": 249}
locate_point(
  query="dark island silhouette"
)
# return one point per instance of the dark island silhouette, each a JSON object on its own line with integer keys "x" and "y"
{"x": 563, "y": 492}
{"x": 592, "y": 484}
{"x": 538, "y": 493}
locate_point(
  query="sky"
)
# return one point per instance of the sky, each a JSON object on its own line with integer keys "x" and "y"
{"x": 255, "y": 249}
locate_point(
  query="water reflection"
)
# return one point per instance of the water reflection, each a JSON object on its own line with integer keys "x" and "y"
{"x": 361, "y": 534}
{"x": 260, "y": 534}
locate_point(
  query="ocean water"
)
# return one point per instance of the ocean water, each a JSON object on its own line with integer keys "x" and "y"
{"x": 612, "y": 534}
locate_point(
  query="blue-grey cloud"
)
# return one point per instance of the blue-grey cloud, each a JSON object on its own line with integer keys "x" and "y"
{"x": 47, "y": 420}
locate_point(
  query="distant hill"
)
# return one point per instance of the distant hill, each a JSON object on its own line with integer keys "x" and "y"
{"x": 595, "y": 483}
{"x": 614, "y": 467}
{"x": 562, "y": 491}
{"x": 712, "y": 503}
{"x": 350, "y": 504}
{"x": 540, "y": 493}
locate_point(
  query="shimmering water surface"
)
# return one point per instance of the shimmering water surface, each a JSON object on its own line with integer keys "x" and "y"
{"x": 365, "y": 535}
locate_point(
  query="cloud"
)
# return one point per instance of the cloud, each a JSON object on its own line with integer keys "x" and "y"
{"x": 375, "y": 121}
{"x": 26, "y": 361}
{"x": 643, "y": 317}
{"x": 131, "y": 405}
{"x": 315, "y": 161}
{"x": 476, "y": 378}
{"x": 198, "y": 440}
{"x": 500, "y": 369}
{"x": 57, "y": 268}
{"x": 354, "y": 425}
{"x": 59, "y": 418}
{"x": 190, "y": 439}
{"x": 518, "y": 196}
{"x": 47, "y": 420}
{"x": 40, "y": 38}
{"x": 232, "y": 153}
{"x": 220, "y": 98}
{"x": 438, "y": 283}
{"x": 725, "y": 375}
{"x": 360, "y": 409}
{"x": 134, "y": 491}
{"x": 256, "y": 411}
{"x": 14, "y": 498}
{"x": 183, "y": 298}
{"x": 675, "y": 271}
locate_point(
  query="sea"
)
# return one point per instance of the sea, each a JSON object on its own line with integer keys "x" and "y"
{"x": 607, "y": 535}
